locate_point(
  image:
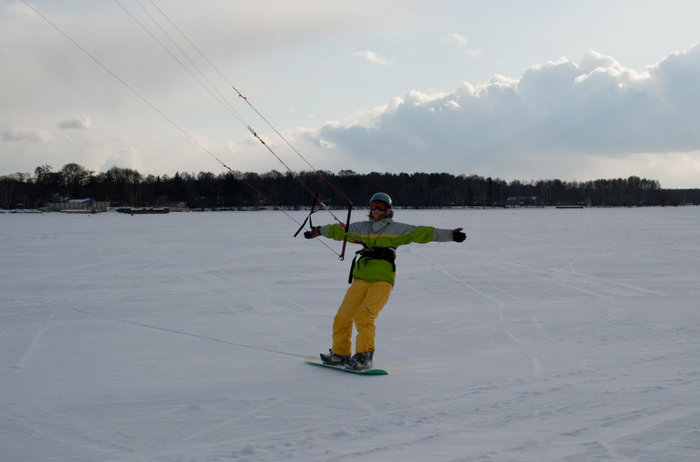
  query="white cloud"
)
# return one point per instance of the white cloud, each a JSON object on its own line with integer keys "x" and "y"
{"x": 372, "y": 57}
{"x": 457, "y": 39}
{"x": 593, "y": 60}
{"x": 462, "y": 42}
{"x": 78, "y": 123}
{"x": 26, "y": 134}
{"x": 560, "y": 110}
{"x": 19, "y": 10}
{"x": 125, "y": 158}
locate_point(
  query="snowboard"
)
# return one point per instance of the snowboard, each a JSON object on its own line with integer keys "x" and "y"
{"x": 316, "y": 361}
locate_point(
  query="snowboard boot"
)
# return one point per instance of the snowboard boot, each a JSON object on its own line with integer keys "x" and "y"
{"x": 333, "y": 359}
{"x": 360, "y": 361}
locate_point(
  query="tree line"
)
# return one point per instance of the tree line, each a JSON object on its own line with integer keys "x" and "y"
{"x": 205, "y": 190}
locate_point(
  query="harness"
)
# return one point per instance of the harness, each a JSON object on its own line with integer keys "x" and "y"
{"x": 377, "y": 253}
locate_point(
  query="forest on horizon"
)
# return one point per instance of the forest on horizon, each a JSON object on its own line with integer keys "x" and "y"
{"x": 205, "y": 190}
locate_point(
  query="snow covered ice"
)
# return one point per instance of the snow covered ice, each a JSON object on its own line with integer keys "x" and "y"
{"x": 549, "y": 335}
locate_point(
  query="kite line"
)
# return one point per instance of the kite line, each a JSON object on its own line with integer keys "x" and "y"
{"x": 202, "y": 79}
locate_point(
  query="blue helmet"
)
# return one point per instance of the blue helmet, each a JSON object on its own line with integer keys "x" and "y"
{"x": 382, "y": 197}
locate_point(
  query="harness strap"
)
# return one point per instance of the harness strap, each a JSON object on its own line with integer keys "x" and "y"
{"x": 377, "y": 253}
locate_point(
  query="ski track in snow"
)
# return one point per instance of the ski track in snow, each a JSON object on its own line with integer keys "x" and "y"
{"x": 549, "y": 335}
{"x": 499, "y": 304}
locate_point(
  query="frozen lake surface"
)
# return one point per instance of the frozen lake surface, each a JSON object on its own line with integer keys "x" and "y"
{"x": 549, "y": 335}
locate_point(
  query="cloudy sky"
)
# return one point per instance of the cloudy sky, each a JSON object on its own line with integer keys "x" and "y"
{"x": 526, "y": 90}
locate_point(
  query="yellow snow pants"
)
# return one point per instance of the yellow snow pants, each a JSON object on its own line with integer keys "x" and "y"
{"x": 361, "y": 305}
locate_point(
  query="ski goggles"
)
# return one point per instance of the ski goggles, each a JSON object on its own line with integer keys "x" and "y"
{"x": 378, "y": 205}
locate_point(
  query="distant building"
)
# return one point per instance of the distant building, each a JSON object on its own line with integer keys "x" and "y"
{"x": 78, "y": 206}
{"x": 521, "y": 201}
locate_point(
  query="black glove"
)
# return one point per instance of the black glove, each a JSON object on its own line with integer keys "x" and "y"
{"x": 315, "y": 231}
{"x": 458, "y": 235}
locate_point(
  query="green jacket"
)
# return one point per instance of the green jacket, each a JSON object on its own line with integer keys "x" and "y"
{"x": 382, "y": 234}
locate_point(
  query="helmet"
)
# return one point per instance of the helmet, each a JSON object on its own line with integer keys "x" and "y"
{"x": 382, "y": 197}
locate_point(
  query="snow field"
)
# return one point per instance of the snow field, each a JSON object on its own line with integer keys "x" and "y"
{"x": 549, "y": 335}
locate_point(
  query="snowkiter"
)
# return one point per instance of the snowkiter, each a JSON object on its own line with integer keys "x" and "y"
{"x": 372, "y": 274}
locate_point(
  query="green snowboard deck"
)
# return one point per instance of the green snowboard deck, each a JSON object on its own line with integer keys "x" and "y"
{"x": 316, "y": 361}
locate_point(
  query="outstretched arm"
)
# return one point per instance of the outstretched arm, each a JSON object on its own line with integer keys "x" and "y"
{"x": 447, "y": 235}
